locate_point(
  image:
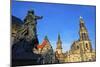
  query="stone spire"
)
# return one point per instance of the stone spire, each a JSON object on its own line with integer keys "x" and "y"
{"x": 46, "y": 38}
{"x": 83, "y": 31}
{"x": 84, "y": 38}
{"x": 59, "y": 43}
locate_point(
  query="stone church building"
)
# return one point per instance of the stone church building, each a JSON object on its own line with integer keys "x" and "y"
{"x": 59, "y": 55}
{"x": 28, "y": 47}
{"x": 46, "y": 51}
{"x": 81, "y": 50}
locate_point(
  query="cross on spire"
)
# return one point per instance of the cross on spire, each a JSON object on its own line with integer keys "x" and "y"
{"x": 81, "y": 19}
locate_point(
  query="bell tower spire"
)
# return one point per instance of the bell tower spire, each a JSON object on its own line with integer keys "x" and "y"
{"x": 84, "y": 38}
{"x": 83, "y": 31}
{"x": 59, "y": 45}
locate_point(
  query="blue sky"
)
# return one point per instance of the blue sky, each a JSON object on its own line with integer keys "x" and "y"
{"x": 59, "y": 18}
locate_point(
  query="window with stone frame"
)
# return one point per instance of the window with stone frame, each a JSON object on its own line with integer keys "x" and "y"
{"x": 87, "y": 46}
{"x": 82, "y": 36}
{"x": 77, "y": 47}
{"x": 85, "y": 36}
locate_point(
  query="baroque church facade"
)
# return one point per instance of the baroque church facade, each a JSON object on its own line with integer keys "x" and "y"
{"x": 25, "y": 44}
{"x": 81, "y": 49}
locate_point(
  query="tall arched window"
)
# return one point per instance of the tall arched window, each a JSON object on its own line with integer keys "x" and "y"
{"x": 77, "y": 47}
{"x": 87, "y": 46}
{"x": 82, "y": 36}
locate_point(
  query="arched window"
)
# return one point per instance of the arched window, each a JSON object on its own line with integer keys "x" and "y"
{"x": 77, "y": 47}
{"x": 83, "y": 36}
{"x": 87, "y": 46}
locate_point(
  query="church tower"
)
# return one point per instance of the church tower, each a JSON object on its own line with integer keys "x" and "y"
{"x": 59, "y": 54}
{"x": 84, "y": 38}
{"x": 83, "y": 31}
{"x": 81, "y": 49}
{"x": 59, "y": 45}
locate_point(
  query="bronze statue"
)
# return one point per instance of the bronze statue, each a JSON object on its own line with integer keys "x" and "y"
{"x": 26, "y": 39}
{"x": 29, "y": 28}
